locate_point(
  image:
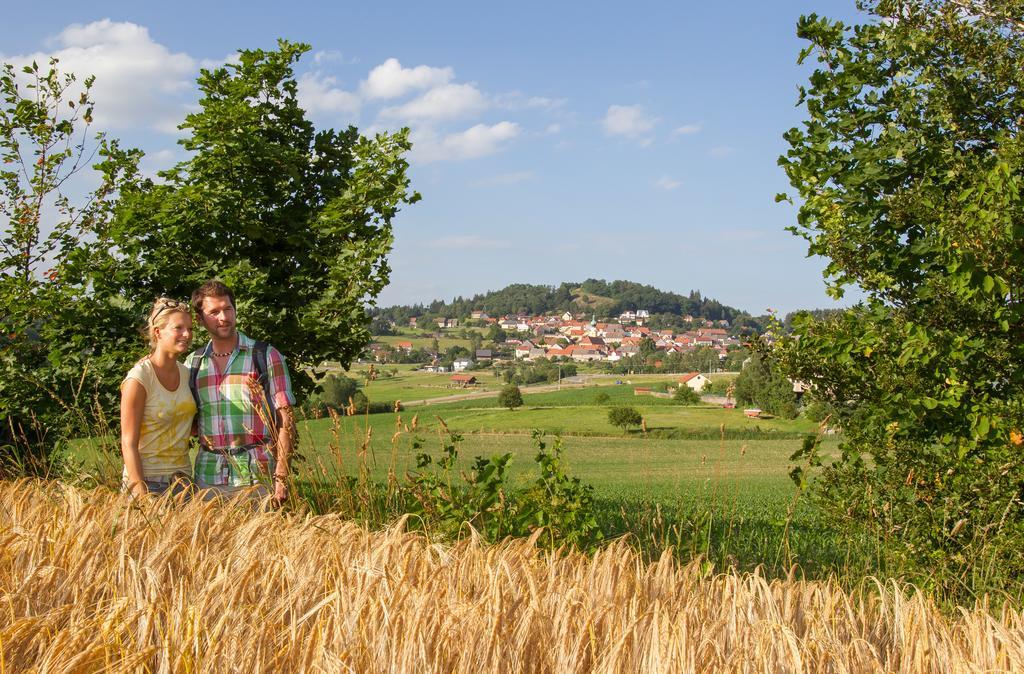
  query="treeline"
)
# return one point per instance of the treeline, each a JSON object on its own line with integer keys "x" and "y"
{"x": 614, "y": 298}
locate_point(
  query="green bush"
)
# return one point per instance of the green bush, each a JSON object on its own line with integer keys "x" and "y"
{"x": 510, "y": 397}
{"x": 686, "y": 395}
{"x": 624, "y": 417}
{"x": 335, "y": 390}
{"x": 817, "y": 410}
{"x": 446, "y": 499}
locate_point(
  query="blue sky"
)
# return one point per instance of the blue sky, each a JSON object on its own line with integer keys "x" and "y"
{"x": 554, "y": 141}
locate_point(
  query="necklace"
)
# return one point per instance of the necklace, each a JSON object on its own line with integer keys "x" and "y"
{"x": 222, "y": 355}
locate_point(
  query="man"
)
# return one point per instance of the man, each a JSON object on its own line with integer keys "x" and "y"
{"x": 245, "y": 422}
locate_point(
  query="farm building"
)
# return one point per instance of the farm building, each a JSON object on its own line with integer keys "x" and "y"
{"x": 695, "y": 380}
{"x": 463, "y": 380}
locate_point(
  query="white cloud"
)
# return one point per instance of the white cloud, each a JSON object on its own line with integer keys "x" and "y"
{"x": 449, "y": 101}
{"x": 721, "y": 151}
{"x": 391, "y": 80}
{"x": 477, "y": 141}
{"x": 516, "y": 100}
{"x": 553, "y": 128}
{"x": 210, "y": 64}
{"x": 319, "y": 95}
{"x": 686, "y": 130}
{"x": 667, "y": 183}
{"x": 630, "y": 121}
{"x": 139, "y": 82}
{"x": 329, "y": 56}
{"x": 161, "y": 160}
{"x": 504, "y": 179}
{"x": 469, "y": 241}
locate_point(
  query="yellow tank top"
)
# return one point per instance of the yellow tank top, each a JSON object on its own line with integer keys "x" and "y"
{"x": 166, "y": 422}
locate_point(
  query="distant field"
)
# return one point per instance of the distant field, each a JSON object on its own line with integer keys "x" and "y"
{"x": 661, "y": 470}
{"x": 723, "y": 498}
{"x": 613, "y": 460}
{"x": 443, "y": 342}
{"x": 408, "y": 384}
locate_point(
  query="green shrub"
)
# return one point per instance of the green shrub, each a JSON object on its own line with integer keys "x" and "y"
{"x": 624, "y": 417}
{"x": 686, "y": 395}
{"x": 447, "y": 499}
{"x": 335, "y": 390}
{"x": 510, "y": 397}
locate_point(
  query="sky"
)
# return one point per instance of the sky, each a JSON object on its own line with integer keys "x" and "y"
{"x": 552, "y": 141}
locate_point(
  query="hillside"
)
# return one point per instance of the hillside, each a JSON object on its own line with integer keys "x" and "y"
{"x": 605, "y": 298}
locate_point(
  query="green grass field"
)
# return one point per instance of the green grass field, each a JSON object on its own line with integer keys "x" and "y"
{"x": 730, "y": 500}
{"x": 404, "y": 382}
{"x": 410, "y": 386}
{"x": 703, "y": 480}
{"x": 658, "y": 469}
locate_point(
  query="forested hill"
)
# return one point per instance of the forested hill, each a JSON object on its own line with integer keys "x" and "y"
{"x": 599, "y": 297}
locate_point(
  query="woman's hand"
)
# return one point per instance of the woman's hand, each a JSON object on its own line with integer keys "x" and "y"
{"x": 140, "y": 489}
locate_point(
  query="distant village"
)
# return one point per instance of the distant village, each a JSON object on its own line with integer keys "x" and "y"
{"x": 570, "y": 337}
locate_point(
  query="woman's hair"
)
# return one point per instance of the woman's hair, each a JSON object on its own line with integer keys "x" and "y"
{"x": 160, "y": 314}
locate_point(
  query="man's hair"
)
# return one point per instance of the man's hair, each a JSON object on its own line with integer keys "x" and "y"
{"x": 212, "y": 288}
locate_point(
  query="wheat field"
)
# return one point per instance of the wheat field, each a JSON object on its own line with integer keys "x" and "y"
{"x": 90, "y": 582}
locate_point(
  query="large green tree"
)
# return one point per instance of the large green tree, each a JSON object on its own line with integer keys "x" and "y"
{"x": 55, "y": 341}
{"x": 297, "y": 221}
{"x": 909, "y": 169}
{"x": 761, "y": 384}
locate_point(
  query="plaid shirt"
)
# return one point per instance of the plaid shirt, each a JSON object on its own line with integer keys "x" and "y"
{"x": 237, "y": 444}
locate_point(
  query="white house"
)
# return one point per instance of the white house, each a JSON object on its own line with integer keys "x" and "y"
{"x": 523, "y": 350}
{"x": 695, "y": 380}
{"x": 461, "y": 364}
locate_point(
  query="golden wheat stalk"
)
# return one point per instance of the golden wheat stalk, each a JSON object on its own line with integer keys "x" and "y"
{"x": 90, "y": 582}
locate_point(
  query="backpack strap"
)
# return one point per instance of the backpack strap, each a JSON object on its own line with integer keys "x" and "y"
{"x": 259, "y": 360}
{"x": 193, "y": 373}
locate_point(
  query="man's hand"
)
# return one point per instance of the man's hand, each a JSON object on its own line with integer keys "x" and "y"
{"x": 280, "y": 490}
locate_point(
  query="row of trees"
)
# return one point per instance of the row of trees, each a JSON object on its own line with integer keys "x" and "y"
{"x": 540, "y": 370}
{"x": 651, "y": 361}
{"x": 297, "y": 221}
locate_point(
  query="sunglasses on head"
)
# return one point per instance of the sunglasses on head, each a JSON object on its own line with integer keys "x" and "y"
{"x": 167, "y": 304}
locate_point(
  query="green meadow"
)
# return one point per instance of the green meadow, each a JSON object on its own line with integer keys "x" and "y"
{"x": 702, "y": 479}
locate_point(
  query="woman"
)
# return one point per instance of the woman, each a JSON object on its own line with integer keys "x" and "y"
{"x": 157, "y": 406}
